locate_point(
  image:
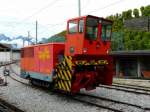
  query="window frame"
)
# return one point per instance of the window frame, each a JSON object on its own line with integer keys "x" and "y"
{"x": 106, "y": 38}
{"x": 28, "y": 52}
{"x": 97, "y": 28}
{"x": 76, "y": 27}
{"x": 83, "y": 29}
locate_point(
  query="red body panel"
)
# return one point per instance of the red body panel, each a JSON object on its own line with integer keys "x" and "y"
{"x": 96, "y": 47}
{"x": 44, "y": 59}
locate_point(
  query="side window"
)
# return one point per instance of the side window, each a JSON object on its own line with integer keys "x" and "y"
{"x": 22, "y": 53}
{"x": 28, "y": 52}
{"x": 73, "y": 27}
{"x": 81, "y": 26}
{"x": 91, "y": 28}
{"x": 106, "y": 32}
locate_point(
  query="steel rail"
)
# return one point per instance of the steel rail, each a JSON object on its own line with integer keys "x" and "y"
{"x": 7, "y": 107}
{"x": 137, "y": 86}
{"x": 128, "y": 90}
{"x": 132, "y": 87}
{"x": 110, "y": 100}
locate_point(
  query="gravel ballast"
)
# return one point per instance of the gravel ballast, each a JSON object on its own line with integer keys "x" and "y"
{"x": 34, "y": 100}
{"x": 31, "y": 99}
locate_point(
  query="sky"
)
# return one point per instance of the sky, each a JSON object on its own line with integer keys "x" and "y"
{"x": 17, "y": 17}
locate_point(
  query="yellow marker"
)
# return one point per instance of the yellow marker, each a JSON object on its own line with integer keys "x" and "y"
{"x": 44, "y": 55}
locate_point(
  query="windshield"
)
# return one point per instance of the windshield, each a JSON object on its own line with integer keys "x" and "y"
{"x": 91, "y": 28}
{"x": 106, "y": 30}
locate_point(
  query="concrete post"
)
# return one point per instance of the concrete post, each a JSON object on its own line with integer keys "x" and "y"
{"x": 138, "y": 67}
{"x": 117, "y": 67}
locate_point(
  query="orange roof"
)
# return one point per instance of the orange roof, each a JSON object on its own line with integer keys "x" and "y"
{"x": 44, "y": 44}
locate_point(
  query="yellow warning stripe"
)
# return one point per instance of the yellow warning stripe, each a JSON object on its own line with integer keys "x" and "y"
{"x": 64, "y": 76}
{"x": 67, "y": 72}
{"x": 66, "y": 85}
{"x": 62, "y": 84}
{"x": 69, "y": 66}
{"x": 63, "y": 71}
{"x": 69, "y": 83}
{"x": 69, "y": 62}
{"x": 59, "y": 84}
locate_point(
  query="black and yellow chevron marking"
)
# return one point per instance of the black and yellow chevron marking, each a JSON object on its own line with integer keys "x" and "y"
{"x": 93, "y": 62}
{"x": 63, "y": 74}
{"x": 102, "y": 62}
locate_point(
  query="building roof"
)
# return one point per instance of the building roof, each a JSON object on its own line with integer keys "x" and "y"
{"x": 4, "y": 46}
{"x": 131, "y": 53}
{"x": 8, "y": 47}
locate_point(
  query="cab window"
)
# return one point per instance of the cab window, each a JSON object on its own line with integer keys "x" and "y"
{"x": 81, "y": 26}
{"x": 73, "y": 27}
{"x": 91, "y": 28}
{"x": 106, "y": 31}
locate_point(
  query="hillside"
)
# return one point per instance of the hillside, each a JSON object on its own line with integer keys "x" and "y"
{"x": 60, "y": 37}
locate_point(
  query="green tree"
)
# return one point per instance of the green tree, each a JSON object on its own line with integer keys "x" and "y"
{"x": 136, "y": 13}
{"x": 145, "y": 42}
{"x": 142, "y": 11}
{"x": 124, "y": 15}
{"x": 129, "y": 14}
{"x": 146, "y": 11}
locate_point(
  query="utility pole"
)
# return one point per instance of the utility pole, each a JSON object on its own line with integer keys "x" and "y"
{"x": 28, "y": 36}
{"x": 23, "y": 42}
{"x": 36, "y": 31}
{"x": 79, "y": 7}
{"x": 149, "y": 24}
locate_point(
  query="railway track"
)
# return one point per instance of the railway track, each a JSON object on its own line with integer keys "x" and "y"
{"x": 74, "y": 98}
{"x": 101, "y": 102}
{"x": 129, "y": 89}
{"x": 8, "y": 63}
{"x": 113, "y": 105}
{"x": 134, "y": 86}
{"x": 6, "y": 107}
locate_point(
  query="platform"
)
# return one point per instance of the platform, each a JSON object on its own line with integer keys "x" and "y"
{"x": 136, "y": 82}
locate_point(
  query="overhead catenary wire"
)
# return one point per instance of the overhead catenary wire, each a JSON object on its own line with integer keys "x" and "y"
{"x": 114, "y": 3}
{"x": 86, "y": 4}
{"x": 109, "y": 5}
{"x": 37, "y": 12}
{"x": 41, "y": 9}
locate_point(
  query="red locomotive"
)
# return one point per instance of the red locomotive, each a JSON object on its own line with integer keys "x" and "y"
{"x": 81, "y": 62}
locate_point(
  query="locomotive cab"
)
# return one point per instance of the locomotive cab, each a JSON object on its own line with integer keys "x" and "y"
{"x": 88, "y": 35}
{"x": 88, "y": 44}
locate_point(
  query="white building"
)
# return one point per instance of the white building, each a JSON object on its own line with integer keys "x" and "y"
{"x": 8, "y": 54}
